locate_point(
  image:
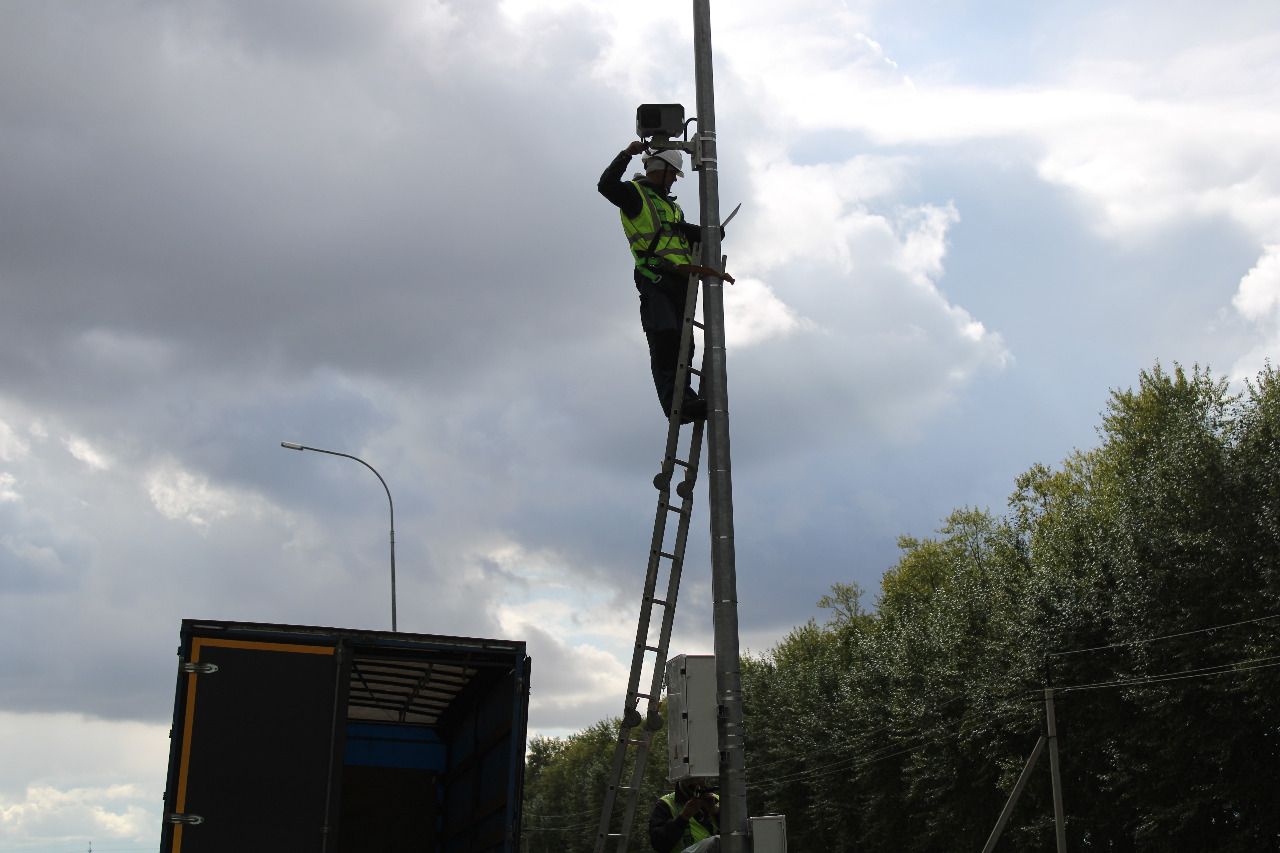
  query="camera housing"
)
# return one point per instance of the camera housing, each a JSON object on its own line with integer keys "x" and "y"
{"x": 661, "y": 120}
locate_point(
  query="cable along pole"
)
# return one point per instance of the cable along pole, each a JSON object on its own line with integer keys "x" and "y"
{"x": 734, "y": 821}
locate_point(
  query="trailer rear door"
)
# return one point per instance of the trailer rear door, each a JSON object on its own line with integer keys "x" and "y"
{"x": 252, "y": 772}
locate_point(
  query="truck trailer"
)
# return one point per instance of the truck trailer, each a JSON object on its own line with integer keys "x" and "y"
{"x": 300, "y": 738}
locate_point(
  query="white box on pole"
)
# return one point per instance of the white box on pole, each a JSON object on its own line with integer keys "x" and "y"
{"x": 692, "y": 739}
{"x": 769, "y": 834}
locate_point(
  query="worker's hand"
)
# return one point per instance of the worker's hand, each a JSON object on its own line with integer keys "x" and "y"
{"x": 635, "y": 148}
{"x": 697, "y": 806}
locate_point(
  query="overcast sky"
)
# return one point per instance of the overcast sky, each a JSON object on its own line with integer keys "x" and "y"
{"x": 373, "y": 227}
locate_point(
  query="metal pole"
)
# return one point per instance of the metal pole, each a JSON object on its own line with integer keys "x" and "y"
{"x": 1013, "y": 797}
{"x": 293, "y": 446}
{"x": 734, "y": 821}
{"x": 1051, "y": 722}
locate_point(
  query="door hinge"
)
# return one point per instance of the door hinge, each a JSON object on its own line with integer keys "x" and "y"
{"x": 199, "y": 668}
{"x": 188, "y": 819}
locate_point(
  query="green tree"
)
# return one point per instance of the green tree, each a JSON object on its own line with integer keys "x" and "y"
{"x": 903, "y": 728}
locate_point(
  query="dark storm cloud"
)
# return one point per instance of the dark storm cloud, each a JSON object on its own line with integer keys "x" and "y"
{"x": 246, "y": 211}
{"x": 222, "y": 232}
{"x": 375, "y": 229}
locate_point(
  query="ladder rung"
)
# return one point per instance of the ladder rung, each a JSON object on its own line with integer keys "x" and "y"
{"x": 651, "y": 649}
{"x": 697, "y": 325}
{"x": 665, "y": 554}
{"x": 658, "y": 601}
{"x": 682, "y": 463}
{"x": 695, "y": 371}
{"x": 677, "y": 510}
{"x": 642, "y": 695}
{"x": 635, "y": 742}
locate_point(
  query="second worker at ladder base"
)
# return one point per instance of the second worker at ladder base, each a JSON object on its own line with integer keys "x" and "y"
{"x": 687, "y": 816}
{"x": 661, "y": 242}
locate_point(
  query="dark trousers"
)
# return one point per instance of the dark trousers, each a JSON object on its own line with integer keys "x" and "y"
{"x": 662, "y": 318}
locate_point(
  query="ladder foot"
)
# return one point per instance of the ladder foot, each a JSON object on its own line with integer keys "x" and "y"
{"x": 685, "y": 488}
{"x": 662, "y": 481}
{"x": 630, "y": 718}
{"x": 654, "y": 723}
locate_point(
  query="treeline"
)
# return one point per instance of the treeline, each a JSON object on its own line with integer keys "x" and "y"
{"x": 1142, "y": 578}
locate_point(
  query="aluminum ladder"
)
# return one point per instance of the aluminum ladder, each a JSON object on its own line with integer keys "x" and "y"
{"x": 636, "y": 732}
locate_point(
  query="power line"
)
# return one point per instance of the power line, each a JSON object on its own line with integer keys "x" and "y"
{"x": 857, "y": 761}
{"x": 559, "y": 816}
{"x": 575, "y": 828}
{"x": 1010, "y": 697}
{"x": 1181, "y": 675}
{"x": 1144, "y": 642}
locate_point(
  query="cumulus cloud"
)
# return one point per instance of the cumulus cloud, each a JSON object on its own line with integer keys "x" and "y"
{"x": 179, "y": 494}
{"x": 11, "y": 444}
{"x": 754, "y": 313}
{"x": 1259, "y": 293}
{"x": 1258, "y": 301}
{"x": 85, "y": 779}
{"x": 85, "y": 452}
{"x": 8, "y": 490}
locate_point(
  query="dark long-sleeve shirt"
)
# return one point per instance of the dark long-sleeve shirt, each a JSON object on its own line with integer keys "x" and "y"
{"x": 625, "y": 196}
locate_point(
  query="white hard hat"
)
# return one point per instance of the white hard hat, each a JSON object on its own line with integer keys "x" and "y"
{"x": 660, "y": 159}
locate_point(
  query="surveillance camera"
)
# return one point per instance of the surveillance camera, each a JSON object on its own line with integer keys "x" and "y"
{"x": 665, "y": 120}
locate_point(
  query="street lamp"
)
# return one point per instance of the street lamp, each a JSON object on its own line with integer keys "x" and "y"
{"x": 289, "y": 445}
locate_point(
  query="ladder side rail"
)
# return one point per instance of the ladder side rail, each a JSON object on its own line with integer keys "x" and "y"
{"x": 682, "y": 376}
{"x": 610, "y": 791}
{"x": 653, "y": 721}
{"x": 646, "y": 608}
{"x": 633, "y": 794}
{"x": 673, "y": 579}
{"x": 685, "y": 490}
{"x": 631, "y": 718}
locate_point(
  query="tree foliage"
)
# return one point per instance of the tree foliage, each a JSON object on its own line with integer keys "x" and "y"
{"x": 1142, "y": 577}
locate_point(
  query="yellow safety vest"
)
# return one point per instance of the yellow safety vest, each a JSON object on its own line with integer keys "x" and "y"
{"x": 695, "y": 831}
{"x": 654, "y": 234}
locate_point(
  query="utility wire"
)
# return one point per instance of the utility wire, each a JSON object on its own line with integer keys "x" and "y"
{"x": 561, "y": 816}
{"x": 886, "y": 752}
{"x": 827, "y": 750}
{"x": 1164, "y": 637}
{"x": 1181, "y": 675}
{"x": 854, "y": 763}
{"x": 575, "y": 828}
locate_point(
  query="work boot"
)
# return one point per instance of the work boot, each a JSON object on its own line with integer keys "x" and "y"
{"x": 694, "y": 409}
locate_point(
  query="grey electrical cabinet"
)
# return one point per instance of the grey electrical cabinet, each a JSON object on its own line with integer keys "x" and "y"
{"x": 692, "y": 740}
{"x": 769, "y": 834}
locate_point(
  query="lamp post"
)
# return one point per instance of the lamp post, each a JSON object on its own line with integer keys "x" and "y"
{"x": 289, "y": 445}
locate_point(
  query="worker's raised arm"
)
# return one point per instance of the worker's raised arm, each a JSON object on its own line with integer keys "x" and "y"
{"x": 622, "y": 193}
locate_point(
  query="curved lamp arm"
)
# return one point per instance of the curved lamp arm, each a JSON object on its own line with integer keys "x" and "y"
{"x": 289, "y": 445}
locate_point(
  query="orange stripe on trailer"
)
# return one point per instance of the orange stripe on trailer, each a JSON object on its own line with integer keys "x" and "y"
{"x": 296, "y": 648}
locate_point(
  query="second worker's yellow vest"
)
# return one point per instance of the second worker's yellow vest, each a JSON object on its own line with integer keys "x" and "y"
{"x": 695, "y": 832}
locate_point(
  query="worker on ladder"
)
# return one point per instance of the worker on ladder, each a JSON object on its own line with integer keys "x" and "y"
{"x": 661, "y": 244}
